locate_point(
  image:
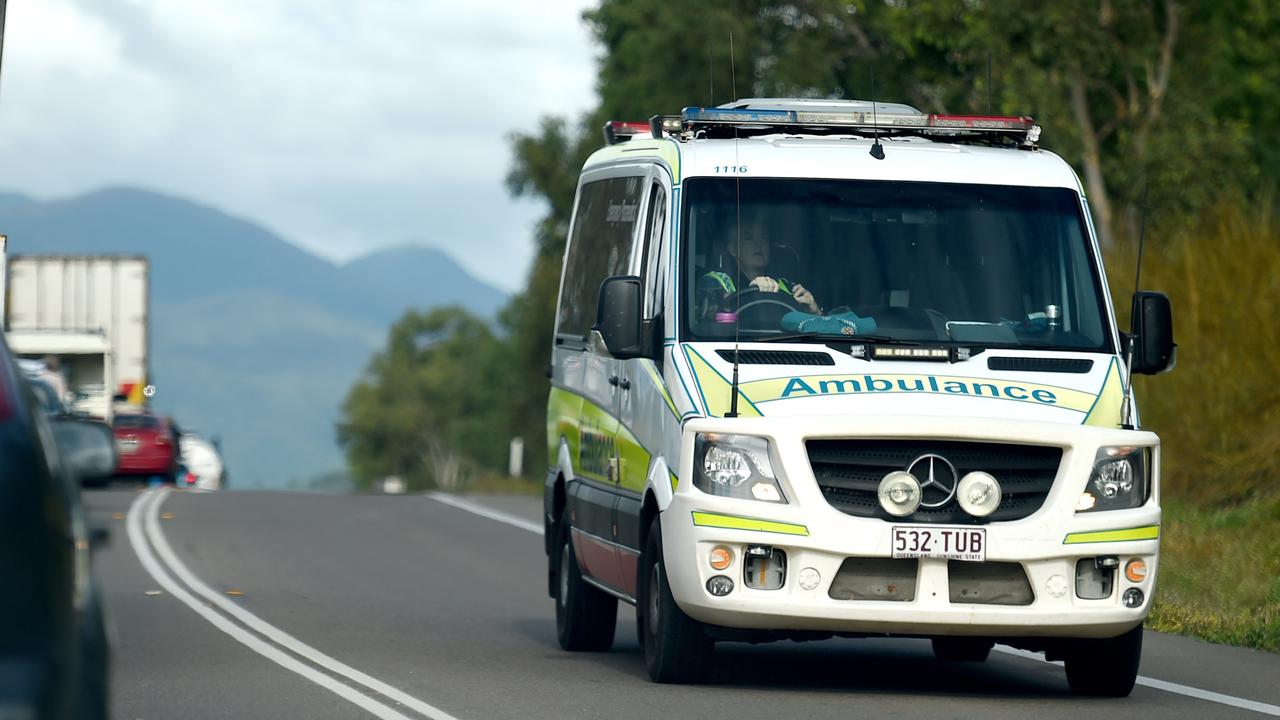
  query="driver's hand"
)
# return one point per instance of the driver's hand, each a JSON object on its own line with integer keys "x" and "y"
{"x": 805, "y": 298}
{"x": 765, "y": 284}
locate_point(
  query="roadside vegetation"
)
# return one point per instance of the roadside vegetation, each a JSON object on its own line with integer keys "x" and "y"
{"x": 1218, "y": 417}
{"x": 1177, "y": 101}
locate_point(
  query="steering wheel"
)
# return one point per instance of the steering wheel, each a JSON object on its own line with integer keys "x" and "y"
{"x": 765, "y": 308}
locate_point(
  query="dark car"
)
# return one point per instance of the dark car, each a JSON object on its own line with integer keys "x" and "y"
{"x": 147, "y": 446}
{"x": 53, "y": 651}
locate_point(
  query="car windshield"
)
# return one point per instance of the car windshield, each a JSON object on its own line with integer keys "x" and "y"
{"x": 909, "y": 261}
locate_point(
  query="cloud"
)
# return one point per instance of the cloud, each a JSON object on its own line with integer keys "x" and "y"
{"x": 344, "y": 126}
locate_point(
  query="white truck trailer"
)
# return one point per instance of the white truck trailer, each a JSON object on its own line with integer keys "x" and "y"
{"x": 88, "y": 317}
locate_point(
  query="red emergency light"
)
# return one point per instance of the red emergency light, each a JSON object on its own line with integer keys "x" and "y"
{"x": 616, "y": 131}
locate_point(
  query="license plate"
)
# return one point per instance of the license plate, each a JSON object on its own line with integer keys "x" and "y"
{"x": 126, "y": 446}
{"x": 932, "y": 541}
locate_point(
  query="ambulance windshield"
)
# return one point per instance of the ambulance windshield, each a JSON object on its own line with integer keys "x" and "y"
{"x": 979, "y": 265}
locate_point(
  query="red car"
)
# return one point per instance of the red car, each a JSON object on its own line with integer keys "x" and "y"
{"x": 146, "y": 445}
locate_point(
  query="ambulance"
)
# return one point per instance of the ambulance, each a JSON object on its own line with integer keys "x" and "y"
{"x": 831, "y": 368}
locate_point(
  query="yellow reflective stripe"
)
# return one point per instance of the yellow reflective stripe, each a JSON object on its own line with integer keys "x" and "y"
{"x": 674, "y": 481}
{"x": 726, "y": 282}
{"x": 664, "y": 150}
{"x": 661, "y": 385}
{"x": 715, "y": 389}
{"x": 1148, "y": 532}
{"x": 1106, "y": 409}
{"x": 734, "y": 522}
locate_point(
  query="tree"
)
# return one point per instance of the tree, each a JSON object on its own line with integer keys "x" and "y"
{"x": 1166, "y": 93}
{"x": 1180, "y": 95}
{"x": 430, "y": 405}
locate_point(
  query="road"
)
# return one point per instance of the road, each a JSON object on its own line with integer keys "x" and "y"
{"x": 290, "y": 605}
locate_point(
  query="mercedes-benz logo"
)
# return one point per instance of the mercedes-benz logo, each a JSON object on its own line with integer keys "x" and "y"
{"x": 938, "y": 479}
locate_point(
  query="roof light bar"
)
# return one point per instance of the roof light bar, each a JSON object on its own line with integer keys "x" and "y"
{"x": 693, "y": 117}
{"x": 734, "y": 117}
{"x": 616, "y": 131}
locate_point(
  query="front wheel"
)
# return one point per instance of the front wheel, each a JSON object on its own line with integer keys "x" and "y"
{"x": 676, "y": 650}
{"x": 585, "y": 616}
{"x": 1105, "y": 668}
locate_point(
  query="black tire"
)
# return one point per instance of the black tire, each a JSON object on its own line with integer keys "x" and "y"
{"x": 961, "y": 649}
{"x": 585, "y": 616}
{"x": 96, "y": 482}
{"x": 1105, "y": 668}
{"x": 676, "y": 650}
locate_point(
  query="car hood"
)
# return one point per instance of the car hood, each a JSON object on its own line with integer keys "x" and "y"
{"x": 1091, "y": 393}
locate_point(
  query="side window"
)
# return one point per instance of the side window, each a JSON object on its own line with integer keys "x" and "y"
{"x": 655, "y": 233}
{"x": 599, "y": 247}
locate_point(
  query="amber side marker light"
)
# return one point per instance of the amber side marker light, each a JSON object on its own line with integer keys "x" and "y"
{"x": 1136, "y": 570}
{"x": 721, "y": 557}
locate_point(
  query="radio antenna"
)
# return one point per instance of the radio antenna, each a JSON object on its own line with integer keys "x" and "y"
{"x": 711, "y": 75}
{"x": 737, "y": 253}
{"x": 1126, "y": 419}
{"x": 877, "y": 150}
{"x": 988, "y": 82}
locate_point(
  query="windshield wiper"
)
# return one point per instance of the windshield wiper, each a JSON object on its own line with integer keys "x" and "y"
{"x": 1032, "y": 347}
{"x": 838, "y": 337}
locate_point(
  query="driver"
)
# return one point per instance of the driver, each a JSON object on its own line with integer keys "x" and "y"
{"x": 750, "y": 255}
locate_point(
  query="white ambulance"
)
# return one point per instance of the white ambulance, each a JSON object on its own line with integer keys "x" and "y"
{"x": 836, "y": 368}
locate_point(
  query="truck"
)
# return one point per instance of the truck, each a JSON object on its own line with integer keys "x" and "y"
{"x": 844, "y": 368}
{"x": 87, "y": 318}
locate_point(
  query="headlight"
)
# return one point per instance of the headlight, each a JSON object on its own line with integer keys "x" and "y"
{"x": 1119, "y": 480}
{"x": 735, "y": 466}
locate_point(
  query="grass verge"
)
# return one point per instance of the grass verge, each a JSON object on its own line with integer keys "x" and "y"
{"x": 1218, "y": 417}
{"x": 1219, "y": 576}
{"x": 485, "y": 483}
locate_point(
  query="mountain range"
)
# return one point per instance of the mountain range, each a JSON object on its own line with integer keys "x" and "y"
{"x": 254, "y": 340}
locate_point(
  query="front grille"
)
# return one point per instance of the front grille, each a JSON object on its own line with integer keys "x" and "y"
{"x": 849, "y": 473}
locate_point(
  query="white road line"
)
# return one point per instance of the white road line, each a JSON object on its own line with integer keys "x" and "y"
{"x": 150, "y": 514}
{"x": 482, "y": 511}
{"x": 1194, "y": 692}
{"x": 272, "y": 632}
{"x": 271, "y": 652}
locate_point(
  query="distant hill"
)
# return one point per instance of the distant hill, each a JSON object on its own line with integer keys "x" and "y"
{"x": 254, "y": 340}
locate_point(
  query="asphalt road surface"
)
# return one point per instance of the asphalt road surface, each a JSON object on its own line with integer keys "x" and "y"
{"x": 285, "y": 605}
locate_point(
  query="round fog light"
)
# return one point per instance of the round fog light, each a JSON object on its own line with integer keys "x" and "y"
{"x": 719, "y": 586}
{"x": 978, "y": 494}
{"x": 809, "y": 578}
{"x": 899, "y": 493}
{"x": 721, "y": 557}
{"x": 1136, "y": 570}
{"x": 1132, "y": 598}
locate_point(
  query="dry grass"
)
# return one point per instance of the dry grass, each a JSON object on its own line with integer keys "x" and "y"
{"x": 489, "y": 483}
{"x": 1218, "y": 416}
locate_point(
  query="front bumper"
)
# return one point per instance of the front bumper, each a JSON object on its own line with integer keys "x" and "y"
{"x": 1047, "y": 544}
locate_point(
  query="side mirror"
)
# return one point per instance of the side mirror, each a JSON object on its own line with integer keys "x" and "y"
{"x": 88, "y": 447}
{"x": 1152, "y": 345}
{"x": 618, "y": 317}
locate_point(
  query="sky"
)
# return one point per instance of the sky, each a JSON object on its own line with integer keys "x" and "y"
{"x": 343, "y": 126}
